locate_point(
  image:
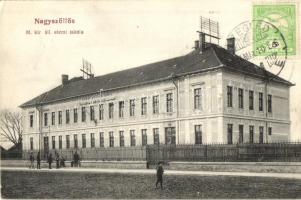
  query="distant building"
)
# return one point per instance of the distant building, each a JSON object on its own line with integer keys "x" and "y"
{"x": 209, "y": 95}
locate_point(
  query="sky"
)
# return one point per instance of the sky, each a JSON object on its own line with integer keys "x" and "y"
{"x": 117, "y": 35}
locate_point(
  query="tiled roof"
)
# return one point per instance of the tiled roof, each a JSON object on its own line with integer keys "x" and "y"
{"x": 212, "y": 57}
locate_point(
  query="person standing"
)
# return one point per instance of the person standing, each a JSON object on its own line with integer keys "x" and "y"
{"x": 57, "y": 159}
{"x": 31, "y": 158}
{"x": 50, "y": 160}
{"x": 160, "y": 172}
{"x": 38, "y": 161}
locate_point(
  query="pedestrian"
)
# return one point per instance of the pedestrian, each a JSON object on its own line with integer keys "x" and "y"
{"x": 57, "y": 159}
{"x": 31, "y": 159}
{"x": 50, "y": 160}
{"x": 160, "y": 172}
{"x": 62, "y": 162}
{"x": 38, "y": 161}
{"x": 76, "y": 159}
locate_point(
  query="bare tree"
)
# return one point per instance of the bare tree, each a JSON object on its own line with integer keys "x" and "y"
{"x": 11, "y": 126}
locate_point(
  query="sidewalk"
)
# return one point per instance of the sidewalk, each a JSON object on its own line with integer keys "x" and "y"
{"x": 152, "y": 171}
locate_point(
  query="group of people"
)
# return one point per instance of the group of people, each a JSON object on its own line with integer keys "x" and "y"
{"x": 31, "y": 158}
{"x": 60, "y": 160}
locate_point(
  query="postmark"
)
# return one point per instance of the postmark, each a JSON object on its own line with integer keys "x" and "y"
{"x": 273, "y": 51}
{"x": 283, "y": 17}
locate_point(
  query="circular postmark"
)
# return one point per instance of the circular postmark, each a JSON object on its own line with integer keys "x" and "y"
{"x": 261, "y": 41}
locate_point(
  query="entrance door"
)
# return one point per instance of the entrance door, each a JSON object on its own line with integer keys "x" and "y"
{"x": 170, "y": 135}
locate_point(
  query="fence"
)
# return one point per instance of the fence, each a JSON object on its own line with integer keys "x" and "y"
{"x": 204, "y": 153}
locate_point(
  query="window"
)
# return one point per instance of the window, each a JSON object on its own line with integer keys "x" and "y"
{"x": 260, "y": 99}
{"x": 144, "y": 137}
{"x": 67, "y": 141}
{"x": 240, "y": 98}
{"x": 83, "y": 140}
{"x": 229, "y": 96}
{"x": 75, "y": 141}
{"x": 197, "y": 99}
{"x": 260, "y": 134}
{"x": 241, "y": 134}
{"x": 111, "y": 137}
{"x": 251, "y": 131}
{"x": 230, "y": 133}
{"x": 75, "y": 116}
{"x": 169, "y": 102}
{"x": 121, "y": 109}
{"x": 269, "y": 103}
{"x": 46, "y": 144}
{"x": 53, "y": 142}
{"x": 143, "y": 106}
{"x": 132, "y": 107}
{"x": 155, "y": 104}
{"x": 101, "y": 140}
{"x": 31, "y": 120}
{"x": 83, "y": 114}
{"x": 92, "y": 140}
{"x": 53, "y": 118}
{"x": 198, "y": 134}
{"x": 31, "y": 143}
{"x": 133, "y": 139}
{"x": 45, "y": 119}
{"x": 121, "y": 139}
{"x": 60, "y": 142}
{"x": 92, "y": 116}
{"x": 156, "y": 136}
{"x": 270, "y": 130}
{"x": 101, "y": 112}
{"x": 251, "y": 100}
{"x": 170, "y": 135}
{"x": 67, "y": 117}
{"x": 111, "y": 110}
{"x": 60, "y": 117}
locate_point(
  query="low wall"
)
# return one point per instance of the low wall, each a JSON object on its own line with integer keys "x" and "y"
{"x": 264, "y": 167}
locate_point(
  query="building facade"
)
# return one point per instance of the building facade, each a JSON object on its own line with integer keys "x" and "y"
{"x": 198, "y": 98}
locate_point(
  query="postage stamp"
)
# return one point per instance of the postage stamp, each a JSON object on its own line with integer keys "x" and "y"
{"x": 265, "y": 38}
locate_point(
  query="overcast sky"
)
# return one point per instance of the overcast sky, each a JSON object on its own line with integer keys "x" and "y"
{"x": 117, "y": 35}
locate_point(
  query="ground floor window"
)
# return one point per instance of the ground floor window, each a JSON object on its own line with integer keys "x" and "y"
{"x": 170, "y": 135}
{"x": 83, "y": 140}
{"x": 111, "y": 136}
{"x": 92, "y": 140}
{"x": 230, "y": 133}
{"x": 241, "y": 134}
{"x": 75, "y": 141}
{"x": 198, "y": 134}
{"x": 101, "y": 140}
{"x": 260, "y": 134}
{"x": 60, "y": 142}
{"x": 46, "y": 144}
{"x": 144, "y": 137}
{"x": 133, "y": 139}
{"x": 156, "y": 136}
{"x": 31, "y": 143}
{"x": 67, "y": 141}
{"x": 121, "y": 138}
{"x": 251, "y": 139}
{"x": 53, "y": 142}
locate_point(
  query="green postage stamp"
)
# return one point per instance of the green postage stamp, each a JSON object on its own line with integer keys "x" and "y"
{"x": 274, "y": 29}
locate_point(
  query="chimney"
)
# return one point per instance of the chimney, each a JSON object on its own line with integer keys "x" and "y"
{"x": 196, "y": 45}
{"x": 231, "y": 45}
{"x": 202, "y": 42}
{"x": 64, "y": 79}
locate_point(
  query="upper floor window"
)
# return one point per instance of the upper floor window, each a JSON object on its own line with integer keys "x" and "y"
{"x": 197, "y": 99}
{"x": 83, "y": 114}
{"x": 92, "y": 116}
{"x": 75, "y": 116}
{"x": 144, "y": 137}
{"x": 45, "y": 119}
{"x": 240, "y": 98}
{"x": 132, "y": 107}
{"x": 31, "y": 121}
{"x": 53, "y": 118}
{"x": 67, "y": 117}
{"x": 251, "y": 100}
{"x": 111, "y": 110}
{"x": 269, "y": 103}
{"x": 143, "y": 106}
{"x": 260, "y": 101}
{"x": 169, "y": 102}
{"x": 229, "y": 96}
{"x": 92, "y": 140}
{"x": 121, "y": 109}
{"x": 83, "y": 140}
{"x": 101, "y": 112}
{"x": 155, "y": 104}
{"x": 60, "y": 117}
